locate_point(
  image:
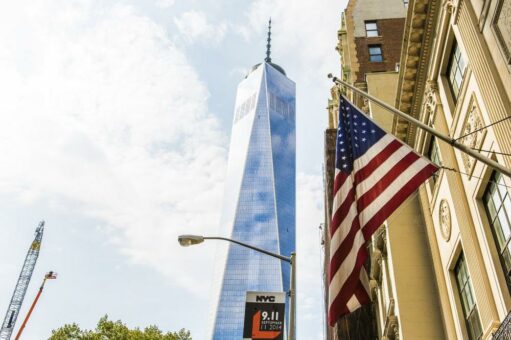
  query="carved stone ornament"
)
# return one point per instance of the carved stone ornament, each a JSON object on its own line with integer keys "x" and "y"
{"x": 365, "y": 105}
{"x": 444, "y": 217}
{"x": 430, "y": 100}
{"x": 449, "y": 6}
{"x": 472, "y": 139}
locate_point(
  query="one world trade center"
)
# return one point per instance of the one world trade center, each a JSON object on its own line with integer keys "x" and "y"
{"x": 259, "y": 199}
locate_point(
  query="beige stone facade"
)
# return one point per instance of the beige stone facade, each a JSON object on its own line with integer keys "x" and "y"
{"x": 404, "y": 306}
{"x": 459, "y": 224}
{"x": 441, "y": 264}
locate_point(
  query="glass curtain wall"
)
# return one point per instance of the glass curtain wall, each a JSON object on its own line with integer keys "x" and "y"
{"x": 259, "y": 204}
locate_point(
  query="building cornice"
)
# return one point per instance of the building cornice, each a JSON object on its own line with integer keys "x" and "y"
{"x": 415, "y": 56}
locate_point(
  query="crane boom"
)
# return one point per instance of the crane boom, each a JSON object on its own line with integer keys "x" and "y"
{"x": 49, "y": 276}
{"x": 22, "y": 285}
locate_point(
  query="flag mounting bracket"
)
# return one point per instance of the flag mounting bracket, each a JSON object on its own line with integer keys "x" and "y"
{"x": 488, "y": 161}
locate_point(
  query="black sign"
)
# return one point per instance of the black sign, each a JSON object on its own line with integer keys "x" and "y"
{"x": 264, "y": 316}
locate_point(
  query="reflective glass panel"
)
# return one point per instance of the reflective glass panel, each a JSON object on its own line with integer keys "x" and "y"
{"x": 467, "y": 297}
{"x": 371, "y": 29}
{"x": 498, "y": 208}
{"x": 455, "y": 70}
{"x": 260, "y": 202}
{"x": 375, "y": 54}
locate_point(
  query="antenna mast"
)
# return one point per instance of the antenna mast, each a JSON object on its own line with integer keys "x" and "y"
{"x": 22, "y": 285}
{"x": 268, "y": 45}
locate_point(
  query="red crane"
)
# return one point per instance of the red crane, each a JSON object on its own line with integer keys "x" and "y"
{"x": 48, "y": 276}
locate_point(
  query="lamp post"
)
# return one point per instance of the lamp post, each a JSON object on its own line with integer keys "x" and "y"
{"x": 190, "y": 240}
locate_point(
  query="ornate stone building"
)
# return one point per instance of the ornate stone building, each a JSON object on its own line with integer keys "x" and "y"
{"x": 404, "y": 305}
{"x": 455, "y": 76}
{"x": 441, "y": 264}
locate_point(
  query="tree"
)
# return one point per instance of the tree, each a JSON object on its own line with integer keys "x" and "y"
{"x": 116, "y": 330}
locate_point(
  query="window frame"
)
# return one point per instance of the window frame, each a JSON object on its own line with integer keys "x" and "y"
{"x": 376, "y": 29}
{"x": 453, "y": 70}
{"x": 504, "y": 244}
{"x": 473, "y": 313}
{"x": 372, "y": 54}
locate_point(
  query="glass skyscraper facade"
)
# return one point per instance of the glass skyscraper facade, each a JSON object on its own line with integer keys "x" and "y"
{"x": 259, "y": 203}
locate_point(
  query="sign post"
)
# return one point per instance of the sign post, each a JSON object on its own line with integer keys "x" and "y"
{"x": 264, "y": 316}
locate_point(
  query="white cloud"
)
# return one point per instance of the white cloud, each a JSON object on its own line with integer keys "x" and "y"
{"x": 103, "y": 116}
{"x": 164, "y": 3}
{"x": 195, "y": 26}
{"x": 303, "y": 31}
{"x": 309, "y": 216}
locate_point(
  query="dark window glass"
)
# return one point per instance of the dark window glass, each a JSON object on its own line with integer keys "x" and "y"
{"x": 375, "y": 54}
{"x": 498, "y": 208}
{"x": 455, "y": 70}
{"x": 467, "y": 300}
{"x": 371, "y": 29}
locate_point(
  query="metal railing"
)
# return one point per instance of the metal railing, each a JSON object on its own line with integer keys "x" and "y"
{"x": 504, "y": 331}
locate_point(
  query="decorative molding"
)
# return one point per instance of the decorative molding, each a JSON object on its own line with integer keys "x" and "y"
{"x": 449, "y": 6}
{"x": 473, "y": 140}
{"x": 502, "y": 26}
{"x": 373, "y": 288}
{"x": 365, "y": 105}
{"x": 376, "y": 266}
{"x": 444, "y": 217}
{"x": 415, "y": 54}
{"x": 484, "y": 14}
{"x": 430, "y": 101}
{"x": 391, "y": 327}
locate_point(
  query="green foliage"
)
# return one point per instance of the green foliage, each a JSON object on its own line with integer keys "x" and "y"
{"x": 116, "y": 330}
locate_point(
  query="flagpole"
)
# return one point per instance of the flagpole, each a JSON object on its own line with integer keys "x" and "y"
{"x": 445, "y": 138}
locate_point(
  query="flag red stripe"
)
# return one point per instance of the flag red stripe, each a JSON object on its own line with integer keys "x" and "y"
{"x": 362, "y": 294}
{"x": 342, "y": 211}
{"x": 362, "y": 297}
{"x": 339, "y": 180}
{"x": 374, "y": 163}
{"x": 347, "y": 289}
{"x": 412, "y": 185}
{"x": 344, "y": 248}
{"x": 380, "y": 186}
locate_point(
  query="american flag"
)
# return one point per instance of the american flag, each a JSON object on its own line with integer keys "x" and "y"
{"x": 374, "y": 174}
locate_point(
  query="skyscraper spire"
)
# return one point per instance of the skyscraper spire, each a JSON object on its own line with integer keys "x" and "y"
{"x": 268, "y": 45}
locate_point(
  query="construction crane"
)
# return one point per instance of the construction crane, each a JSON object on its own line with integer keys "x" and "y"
{"x": 48, "y": 276}
{"x": 22, "y": 285}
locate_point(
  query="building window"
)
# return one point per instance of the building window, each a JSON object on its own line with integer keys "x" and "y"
{"x": 498, "y": 207}
{"x": 371, "y": 29}
{"x": 467, "y": 300}
{"x": 375, "y": 54}
{"x": 455, "y": 70}
{"x": 406, "y": 3}
{"x": 434, "y": 156}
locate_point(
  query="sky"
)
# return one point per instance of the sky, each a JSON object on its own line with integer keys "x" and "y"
{"x": 115, "y": 124}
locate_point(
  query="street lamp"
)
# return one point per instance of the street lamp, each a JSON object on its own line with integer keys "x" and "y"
{"x": 190, "y": 240}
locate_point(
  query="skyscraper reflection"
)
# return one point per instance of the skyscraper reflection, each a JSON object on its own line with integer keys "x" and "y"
{"x": 259, "y": 203}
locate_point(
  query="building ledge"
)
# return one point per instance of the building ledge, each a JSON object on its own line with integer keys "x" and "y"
{"x": 414, "y": 58}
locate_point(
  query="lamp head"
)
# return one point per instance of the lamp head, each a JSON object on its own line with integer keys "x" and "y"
{"x": 190, "y": 240}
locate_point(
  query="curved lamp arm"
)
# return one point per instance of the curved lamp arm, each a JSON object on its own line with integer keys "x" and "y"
{"x": 190, "y": 240}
